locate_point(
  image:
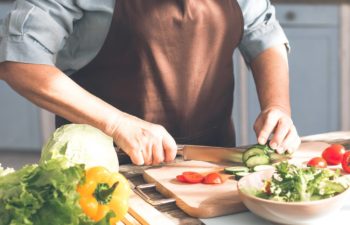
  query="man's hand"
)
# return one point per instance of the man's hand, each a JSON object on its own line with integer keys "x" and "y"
{"x": 144, "y": 142}
{"x": 270, "y": 71}
{"x": 277, "y": 123}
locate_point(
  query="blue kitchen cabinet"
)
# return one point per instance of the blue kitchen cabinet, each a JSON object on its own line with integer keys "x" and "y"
{"x": 20, "y": 123}
{"x": 20, "y": 127}
{"x": 314, "y": 71}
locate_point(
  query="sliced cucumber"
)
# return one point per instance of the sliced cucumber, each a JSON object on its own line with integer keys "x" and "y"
{"x": 263, "y": 167}
{"x": 257, "y": 160}
{"x": 336, "y": 187}
{"x": 239, "y": 175}
{"x": 236, "y": 169}
{"x": 265, "y": 147}
{"x": 252, "y": 152}
{"x": 275, "y": 157}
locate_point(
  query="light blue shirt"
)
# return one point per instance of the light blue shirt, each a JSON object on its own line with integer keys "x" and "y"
{"x": 69, "y": 33}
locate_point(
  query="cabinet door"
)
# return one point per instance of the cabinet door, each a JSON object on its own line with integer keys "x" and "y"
{"x": 314, "y": 72}
{"x": 314, "y": 78}
{"x": 20, "y": 127}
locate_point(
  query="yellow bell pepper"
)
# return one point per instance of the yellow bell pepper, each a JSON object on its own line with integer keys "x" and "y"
{"x": 103, "y": 192}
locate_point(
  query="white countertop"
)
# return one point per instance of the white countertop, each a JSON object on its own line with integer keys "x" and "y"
{"x": 248, "y": 218}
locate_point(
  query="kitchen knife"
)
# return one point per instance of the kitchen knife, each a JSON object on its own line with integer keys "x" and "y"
{"x": 219, "y": 154}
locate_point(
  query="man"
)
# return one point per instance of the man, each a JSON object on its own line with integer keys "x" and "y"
{"x": 161, "y": 73}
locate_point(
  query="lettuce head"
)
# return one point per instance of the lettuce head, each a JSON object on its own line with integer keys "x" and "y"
{"x": 81, "y": 144}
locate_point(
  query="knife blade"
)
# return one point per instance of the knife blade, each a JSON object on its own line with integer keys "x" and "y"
{"x": 219, "y": 154}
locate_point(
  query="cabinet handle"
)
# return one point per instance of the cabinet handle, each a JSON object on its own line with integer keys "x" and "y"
{"x": 290, "y": 16}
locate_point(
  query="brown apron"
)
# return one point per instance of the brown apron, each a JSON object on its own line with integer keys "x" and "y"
{"x": 170, "y": 62}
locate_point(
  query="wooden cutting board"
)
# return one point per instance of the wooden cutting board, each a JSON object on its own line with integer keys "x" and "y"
{"x": 205, "y": 201}
{"x": 144, "y": 213}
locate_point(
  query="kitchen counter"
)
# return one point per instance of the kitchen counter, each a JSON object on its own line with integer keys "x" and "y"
{"x": 177, "y": 216}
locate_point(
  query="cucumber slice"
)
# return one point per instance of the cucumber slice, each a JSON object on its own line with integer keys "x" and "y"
{"x": 252, "y": 152}
{"x": 236, "y": 169}
{"x": 335, "y": 187}
{"x": 275, "y": 157}
{"x": 263, "y": 167}
{"x": 239, "y": 175}
{"x": 257, "y": 160}
{"x": 265, "y": 147}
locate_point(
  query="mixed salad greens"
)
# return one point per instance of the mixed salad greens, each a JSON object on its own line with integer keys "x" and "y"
{"x": 42, "y": 194}
{"x": 291, "y": 183}
{"x": 49, "y": 193}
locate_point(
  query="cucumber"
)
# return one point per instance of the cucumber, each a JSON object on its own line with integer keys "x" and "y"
{"x": 236, "y": 169}
{"x": 274, "y": 157}
{"x": 265, "y": 147}
{"x": 239, "y": 175}
{"x": 257, "y": 160}
{"x": 262, "y": 167}
{"x": 336, "y": 187}
{"x": 252, "y": 152}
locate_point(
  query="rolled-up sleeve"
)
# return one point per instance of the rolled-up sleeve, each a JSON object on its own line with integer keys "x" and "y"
{"x": 35, "y": 30}
{"x": 261, "y": 28}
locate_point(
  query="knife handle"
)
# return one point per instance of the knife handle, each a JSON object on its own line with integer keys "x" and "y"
{"x": 123, "y": 158}
{"x": 180, "y": 150}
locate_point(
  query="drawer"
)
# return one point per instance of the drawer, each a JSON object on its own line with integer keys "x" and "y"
{"x": 307, "y": 14}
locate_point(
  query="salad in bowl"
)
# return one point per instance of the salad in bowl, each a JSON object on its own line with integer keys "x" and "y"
{"x": 289, "y": 194}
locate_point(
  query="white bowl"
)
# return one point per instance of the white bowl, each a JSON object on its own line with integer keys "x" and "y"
{"x": 300, "y": 213}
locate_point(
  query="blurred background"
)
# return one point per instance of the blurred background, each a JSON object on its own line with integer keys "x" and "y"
{"x": 319, "y": 35}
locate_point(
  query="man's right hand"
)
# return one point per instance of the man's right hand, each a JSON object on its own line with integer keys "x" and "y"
{"x": 146, "y": 143}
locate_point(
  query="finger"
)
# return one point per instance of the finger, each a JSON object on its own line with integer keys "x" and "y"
{"x": 258, "y": 127}
{"x": 292, "y": 141}
{"x": 136, "y": 156}
{"x": 169, "y": 148}
{"x": 268, "y": 127}
{"x": 158, "y": 153}
{"x": 147, "y": 153}
{"x": 283, "y": 127}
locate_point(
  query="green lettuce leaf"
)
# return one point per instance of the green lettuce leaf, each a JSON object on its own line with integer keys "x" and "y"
{"x": 291, "y": 183}
{"x": 43, "y": 194}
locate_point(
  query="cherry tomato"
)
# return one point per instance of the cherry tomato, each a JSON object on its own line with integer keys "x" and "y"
{"x": 334, "y": 154}
{"x": 189, "y": 173}
{"x": 181, "y": 178}
{"x": 212, "y": 178}
{"x": 193, "y": 177}
{"x": 346, "y": 162}
{"x": 317, "y": 162}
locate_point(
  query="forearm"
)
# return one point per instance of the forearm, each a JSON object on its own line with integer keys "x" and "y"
{"x": 274, "y": 122}
{"x": 49, "y": 88}
{"x": 270, "y": 71}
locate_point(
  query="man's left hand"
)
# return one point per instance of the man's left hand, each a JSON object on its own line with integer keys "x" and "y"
{"x": 277, "y": 123}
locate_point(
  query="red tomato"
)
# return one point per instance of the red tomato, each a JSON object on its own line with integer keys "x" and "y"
{"x": 346, "y": 162}
{"x": 212, "y": 178}
{"x": 193, "y": 177}
{"x": 181, "y": 178}
{"x": 317, "y": 162}
{"x": 334, "y": 154}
